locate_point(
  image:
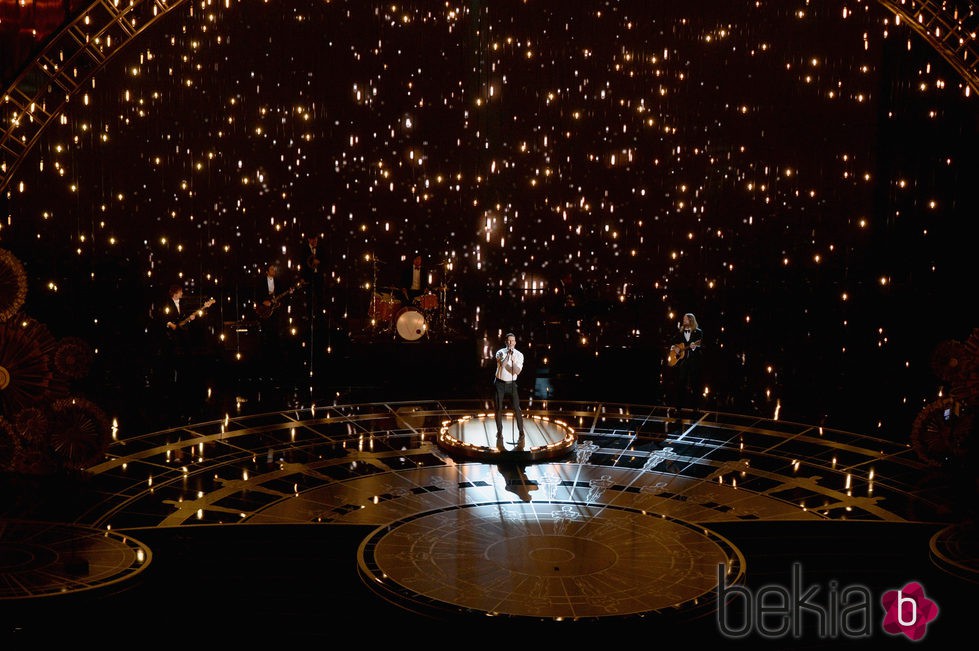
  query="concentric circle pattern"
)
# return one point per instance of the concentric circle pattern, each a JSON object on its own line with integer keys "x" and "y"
{"x": 42, "y": 559}
{"x": 547, "y": 560}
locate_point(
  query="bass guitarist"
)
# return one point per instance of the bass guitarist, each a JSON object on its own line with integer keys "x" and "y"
{"x": 685, "y": 358}
{"x": 175, "y": 364}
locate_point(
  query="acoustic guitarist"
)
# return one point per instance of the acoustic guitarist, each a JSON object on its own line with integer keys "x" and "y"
{"x": 685, "y": 358}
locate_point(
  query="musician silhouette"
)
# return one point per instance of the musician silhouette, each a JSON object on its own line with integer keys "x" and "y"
{"x": 170, "y": 312}
{"x": 180, "y": 343}
{"x": 272, "y": 313}
{"x": 313, "y": 296}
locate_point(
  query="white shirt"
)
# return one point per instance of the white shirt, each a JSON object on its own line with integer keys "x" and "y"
{"x": 508, "y": 367}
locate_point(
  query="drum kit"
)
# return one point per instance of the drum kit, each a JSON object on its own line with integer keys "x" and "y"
{"x": 392, "y": 311}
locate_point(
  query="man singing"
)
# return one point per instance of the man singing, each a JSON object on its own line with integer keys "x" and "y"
{"x": 509, "y": 363}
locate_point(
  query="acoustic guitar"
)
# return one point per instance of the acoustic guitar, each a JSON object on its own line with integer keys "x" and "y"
{"x": 679, "y": 351}
{"x": 267, "y": 307}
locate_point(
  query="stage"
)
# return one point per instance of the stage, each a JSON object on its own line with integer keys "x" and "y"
{"x": 627, "y": 522}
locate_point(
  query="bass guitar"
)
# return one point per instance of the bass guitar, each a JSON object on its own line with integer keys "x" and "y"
{"x": 679, "y": 351}
{"x": 267, "y": 307}
{"x": 196, "y": 313}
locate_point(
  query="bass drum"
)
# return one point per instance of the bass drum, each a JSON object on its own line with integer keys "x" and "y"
{"x": 411, "y": 324}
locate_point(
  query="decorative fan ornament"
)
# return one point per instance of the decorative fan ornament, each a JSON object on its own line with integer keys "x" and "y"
{"x": 73, "y": 357}
{"x": 80, "y": 432}
{"x": 939, "y": 433}
{"x": 946, "y": 360}
{"x": 13, "y": 285}
{"x": 31, "y": 425}
{"x": 26, "y": 368}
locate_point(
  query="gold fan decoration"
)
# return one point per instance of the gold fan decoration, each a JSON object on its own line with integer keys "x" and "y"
{"x": 73, "y": 357}
{"x": 31, "y": 425}
{"x": 13, "y": 285}
{"x": 26, "y": 365}
{"x": 42, "y": 430}
{"x": 939, "y": 433}
{"x": 80, "y": 432}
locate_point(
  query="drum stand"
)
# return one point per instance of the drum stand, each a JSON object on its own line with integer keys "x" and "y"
{"x": 372, "y": 310}
{"x": 374, "y": 325}
{"x": 442, "y": 318}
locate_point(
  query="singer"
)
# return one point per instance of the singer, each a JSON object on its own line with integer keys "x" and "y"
{"x": 509, "y": 363}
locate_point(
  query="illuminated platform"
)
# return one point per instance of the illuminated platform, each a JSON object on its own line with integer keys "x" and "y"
{"x": 474, "y": 438}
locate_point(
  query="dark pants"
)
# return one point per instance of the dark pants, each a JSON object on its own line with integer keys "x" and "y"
{"x": 687, "y": 387}
{"x": 502, "y": 390}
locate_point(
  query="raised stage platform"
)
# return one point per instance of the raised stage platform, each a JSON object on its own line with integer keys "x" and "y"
{"x": 475, "y": 438}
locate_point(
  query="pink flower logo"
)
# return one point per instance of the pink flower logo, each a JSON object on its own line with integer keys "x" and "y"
{"x": 908, "y": 611}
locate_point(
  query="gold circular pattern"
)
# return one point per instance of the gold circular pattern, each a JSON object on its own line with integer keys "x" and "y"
{"x": 73, "y": 357}
{"x": 79, "y": 431}
{"x": 53, "y": 559}
{"x": 26, "y": 350}
{"x": 547, "y": 560}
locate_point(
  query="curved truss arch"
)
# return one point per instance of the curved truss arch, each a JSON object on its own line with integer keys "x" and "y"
{"x": 69, "y": 59}
{"x": 949, "y": 30}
